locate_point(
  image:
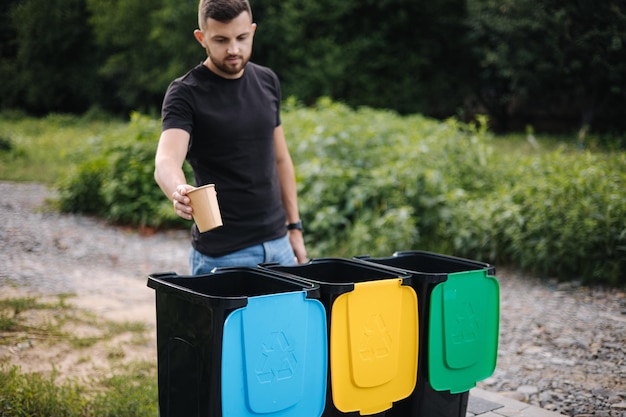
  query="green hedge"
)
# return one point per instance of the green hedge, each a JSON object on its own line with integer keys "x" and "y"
{"x": 373, "y": 182}
{"x": 116, "y": 179}
{"x": 560, "y": 214}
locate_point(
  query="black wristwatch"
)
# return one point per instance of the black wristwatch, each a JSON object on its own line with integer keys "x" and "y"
{"x": 295, "y": 226}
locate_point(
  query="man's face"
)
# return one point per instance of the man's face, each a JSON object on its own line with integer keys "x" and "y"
{"x": 228, "y": 45}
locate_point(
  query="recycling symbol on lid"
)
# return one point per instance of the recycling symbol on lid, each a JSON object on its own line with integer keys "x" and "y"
{"x": 277, "y": 360}
{"x": 467, "y": 327}
{"x": 376, "y": 341}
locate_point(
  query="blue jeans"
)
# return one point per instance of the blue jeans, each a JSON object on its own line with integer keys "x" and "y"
{"x": 274, "y": 251}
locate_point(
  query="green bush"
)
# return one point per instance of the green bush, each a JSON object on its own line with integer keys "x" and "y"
{"x": 116, "y": 179}
{"x": 24, "y": 394}
{"x": 573, "y": 219}
{"x": 129, "y": 394}
{"x": 560, "y": 214}
{"x": 374, "y": 182}
{"x": 81, "y": 192}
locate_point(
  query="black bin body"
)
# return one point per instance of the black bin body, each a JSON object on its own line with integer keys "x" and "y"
{"x": 191, "y": 313}
{"x": 335, "y": 277}
{"x": 427, "y": 270}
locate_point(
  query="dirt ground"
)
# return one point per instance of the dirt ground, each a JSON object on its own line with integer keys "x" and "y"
{"x": 86, "y": 338}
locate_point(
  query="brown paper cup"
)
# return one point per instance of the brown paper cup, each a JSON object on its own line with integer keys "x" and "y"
{"x": 206, "y": 211}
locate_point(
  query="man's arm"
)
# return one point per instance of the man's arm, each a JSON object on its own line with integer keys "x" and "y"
{"x": 168, "y": 171}
{"x": 287, "y": 179}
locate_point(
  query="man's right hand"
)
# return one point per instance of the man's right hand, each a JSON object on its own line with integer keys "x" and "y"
{"x": 181, "y": 201}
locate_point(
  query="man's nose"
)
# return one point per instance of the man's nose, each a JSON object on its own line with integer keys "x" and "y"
{"x": 233, "y": 48}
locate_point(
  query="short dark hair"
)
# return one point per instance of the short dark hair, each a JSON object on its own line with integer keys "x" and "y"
{"x": 221, "y": 10}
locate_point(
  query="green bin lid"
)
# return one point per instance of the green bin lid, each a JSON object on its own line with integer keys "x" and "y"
{"x": 463, "y": 331}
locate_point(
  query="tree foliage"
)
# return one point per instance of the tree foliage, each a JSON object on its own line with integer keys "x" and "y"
{"x": 146, "y": 45}
{"x": 51, "y": 58}
{"x": 406, "y": 55}
{"x": 563, "y": 59}
{"x": 521, "y": 61}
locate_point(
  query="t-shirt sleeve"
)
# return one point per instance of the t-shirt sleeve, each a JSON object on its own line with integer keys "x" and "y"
{"x": 177, "y": 109}
{"x": 278, "y": 97}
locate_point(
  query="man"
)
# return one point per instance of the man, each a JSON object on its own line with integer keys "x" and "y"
{"x": 224, "y": 118}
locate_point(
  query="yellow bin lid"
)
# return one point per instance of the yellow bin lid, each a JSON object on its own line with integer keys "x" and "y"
{"x": 373, "y": 346}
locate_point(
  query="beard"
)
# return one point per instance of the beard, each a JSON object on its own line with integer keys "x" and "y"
{"x": 229, "y": 68}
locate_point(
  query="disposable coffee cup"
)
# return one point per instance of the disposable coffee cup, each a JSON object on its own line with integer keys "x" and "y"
{"x": 206, "y": 211}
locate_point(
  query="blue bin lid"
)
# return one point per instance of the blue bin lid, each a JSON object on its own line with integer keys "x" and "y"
{"x": 274, "y": 358}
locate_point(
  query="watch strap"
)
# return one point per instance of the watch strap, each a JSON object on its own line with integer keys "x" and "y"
{"x": 295, "y": 226}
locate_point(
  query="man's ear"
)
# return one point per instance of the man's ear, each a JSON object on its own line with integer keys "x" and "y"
{"x": 199, "y": 37}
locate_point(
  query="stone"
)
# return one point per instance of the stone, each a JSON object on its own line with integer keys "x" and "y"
{"x": 620, "y": 406}
{"x": 513, "y": 395}
{"x": 527, "y": 390}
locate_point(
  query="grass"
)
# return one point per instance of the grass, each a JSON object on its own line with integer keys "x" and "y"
{"x": 132, "y": 394}
{"x": 132, "y": 391}
{"x": 531, "y": 143}
{"x": 11, "y": 313}
{"x": 42, "y": 149}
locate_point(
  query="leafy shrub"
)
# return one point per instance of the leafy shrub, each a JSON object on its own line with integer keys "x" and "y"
{"x": 573, "y": 216}
{"x": 559, "y": 214}
{"x": 6, "y": 145}
{"x": 33, "y": 394}
{"x": 9, "y": 149}
{"x": 342, "y": 174}
{"x": 116, "y": 179}
{"x": 129, "y": 394}
{"x": 81, "y": 192}
{"x": 373, "y": 182}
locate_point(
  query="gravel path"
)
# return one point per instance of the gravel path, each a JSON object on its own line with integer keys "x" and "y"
{"x": 106, "y": 267}
{"x": 562, "y": 346}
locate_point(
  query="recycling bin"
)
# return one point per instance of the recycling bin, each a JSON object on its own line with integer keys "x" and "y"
{"x": 459, "y": 310}
{"x": 372, "y": 317}
{"x": 240, "y": 342}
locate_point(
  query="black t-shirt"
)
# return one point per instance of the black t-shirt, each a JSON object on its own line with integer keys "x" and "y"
{"x": 231, "y": 123}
